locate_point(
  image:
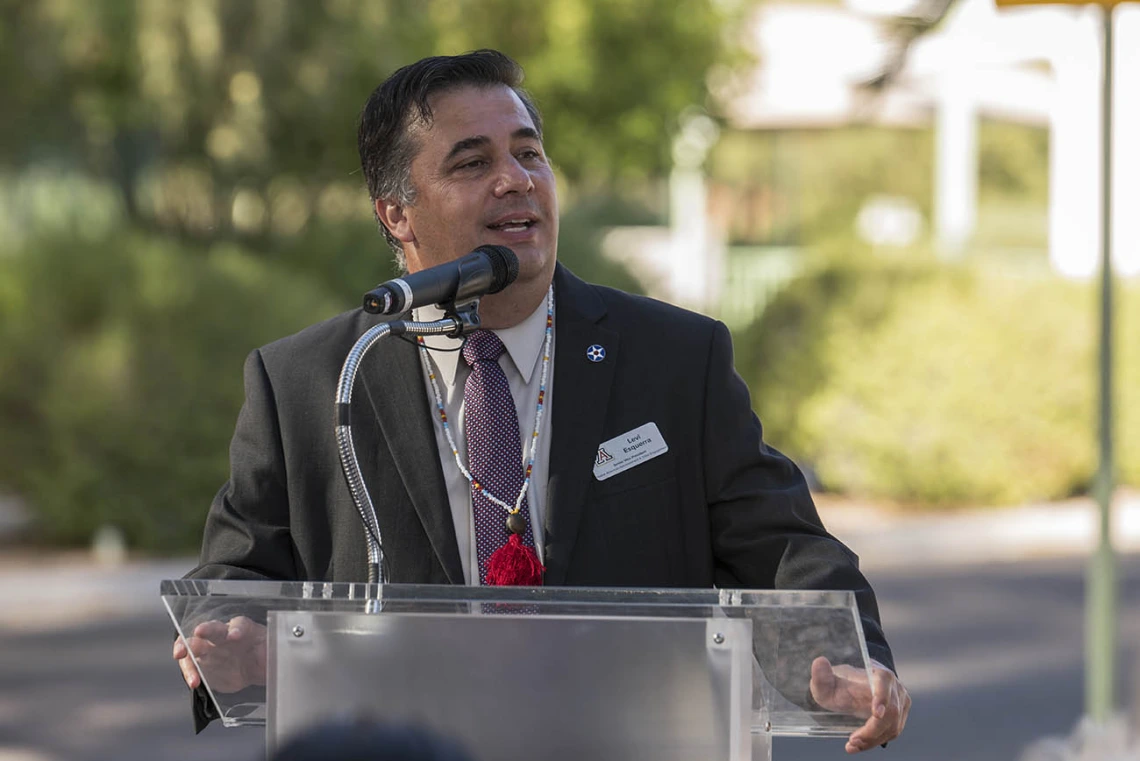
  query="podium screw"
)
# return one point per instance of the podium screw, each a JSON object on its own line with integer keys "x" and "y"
{"x": 718, "y": 638}
{"x": 298, "y": 631}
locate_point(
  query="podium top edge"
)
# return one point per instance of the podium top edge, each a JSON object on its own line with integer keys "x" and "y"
{"x": 347, "y": 591}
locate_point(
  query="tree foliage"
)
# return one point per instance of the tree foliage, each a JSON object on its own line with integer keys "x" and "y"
{"x": 217, "y": 118}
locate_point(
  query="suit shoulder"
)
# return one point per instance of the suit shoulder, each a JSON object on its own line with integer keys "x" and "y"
{"x": 642, "y": 313}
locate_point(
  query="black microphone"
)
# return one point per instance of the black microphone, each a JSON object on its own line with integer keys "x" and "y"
{"x": 487, "y": 269}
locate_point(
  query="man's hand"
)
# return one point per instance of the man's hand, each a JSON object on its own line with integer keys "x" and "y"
{"x": 232, "y": 654}
{"x": 884, "y": 703}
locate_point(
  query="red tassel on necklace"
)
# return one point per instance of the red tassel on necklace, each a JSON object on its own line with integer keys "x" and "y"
{"x": 514, "y": 565}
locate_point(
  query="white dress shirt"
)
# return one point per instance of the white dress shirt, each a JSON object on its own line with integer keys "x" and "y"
{"x": 522, "y": 364}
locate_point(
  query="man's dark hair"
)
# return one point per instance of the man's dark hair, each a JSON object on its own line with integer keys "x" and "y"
{"x": 384, "y": 139}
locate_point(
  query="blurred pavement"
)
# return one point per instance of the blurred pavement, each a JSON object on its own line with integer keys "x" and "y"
{"x": 891, "y": 538}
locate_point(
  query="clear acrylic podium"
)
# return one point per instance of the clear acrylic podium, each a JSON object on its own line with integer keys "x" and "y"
{"x": 524, "y": 673}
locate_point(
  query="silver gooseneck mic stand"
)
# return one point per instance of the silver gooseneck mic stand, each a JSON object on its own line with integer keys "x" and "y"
{"x": 458, "y": 321}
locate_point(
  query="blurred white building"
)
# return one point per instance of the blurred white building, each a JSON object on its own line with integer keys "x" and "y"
{"x": 1035, "y": 65}
{"x": 1032, "y": 65}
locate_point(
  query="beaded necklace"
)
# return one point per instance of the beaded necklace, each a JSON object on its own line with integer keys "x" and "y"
{"x": 512, "y": 510}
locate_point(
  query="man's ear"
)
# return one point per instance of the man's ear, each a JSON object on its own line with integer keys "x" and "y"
{"x": 395, "y": 218}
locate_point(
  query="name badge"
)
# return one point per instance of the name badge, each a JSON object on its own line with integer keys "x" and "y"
{"x": 629, "y": 449}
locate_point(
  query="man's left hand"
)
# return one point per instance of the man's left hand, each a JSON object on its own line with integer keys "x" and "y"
{"x": 885, "y": 703}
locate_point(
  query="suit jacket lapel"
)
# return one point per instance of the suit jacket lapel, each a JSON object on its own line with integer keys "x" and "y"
{"x": 393, "y": 382}
{"x": 580, "y": 397}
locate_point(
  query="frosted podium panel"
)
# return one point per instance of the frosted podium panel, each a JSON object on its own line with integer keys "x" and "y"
{"x": 513, "y": 685}
{"x": 620, "y": 628}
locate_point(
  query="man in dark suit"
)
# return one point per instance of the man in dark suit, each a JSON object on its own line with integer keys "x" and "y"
{"x": 453, "y": 154}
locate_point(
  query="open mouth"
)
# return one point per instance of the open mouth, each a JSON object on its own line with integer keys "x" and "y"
{"x": 513, "y": 225}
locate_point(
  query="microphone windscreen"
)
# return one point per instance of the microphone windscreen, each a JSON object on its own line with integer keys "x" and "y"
{"x": 504, "y": 266}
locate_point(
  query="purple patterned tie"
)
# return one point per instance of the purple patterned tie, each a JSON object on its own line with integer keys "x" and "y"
{"x": 494, "y": 455}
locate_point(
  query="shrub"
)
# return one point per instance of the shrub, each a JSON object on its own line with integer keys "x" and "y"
{"x": 120, "y": 378}
{"x": 941, "y": 386}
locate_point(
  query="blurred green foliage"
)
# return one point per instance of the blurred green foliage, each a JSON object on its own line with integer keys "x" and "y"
{"x": 179, "y": 183}
{"x": 938, "y": 385}
{"x": 239, "y": 118}
{"x": 806, "y": 187}
{"x": 797, "y": 187}
{"x": 893, "y": 376}
{"x": 1013, "y": 161}
{"x": 120, "y": 376}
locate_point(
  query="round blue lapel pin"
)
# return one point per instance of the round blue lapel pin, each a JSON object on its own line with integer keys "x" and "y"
{"x": 596, "y": 353}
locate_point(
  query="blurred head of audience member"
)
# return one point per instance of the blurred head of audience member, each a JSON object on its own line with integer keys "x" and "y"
{"x": 362, "y": 740}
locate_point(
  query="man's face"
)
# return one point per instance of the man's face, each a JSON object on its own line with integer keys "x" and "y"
{"x": 480, "y": 176}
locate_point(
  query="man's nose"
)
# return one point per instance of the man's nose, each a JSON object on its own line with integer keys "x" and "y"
{"x": 513, "y": 177}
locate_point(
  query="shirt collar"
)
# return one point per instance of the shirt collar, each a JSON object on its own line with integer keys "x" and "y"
{"x": 523, "y": 342}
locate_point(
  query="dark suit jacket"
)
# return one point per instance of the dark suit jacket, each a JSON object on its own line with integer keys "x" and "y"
{"x": 720, "y": 508}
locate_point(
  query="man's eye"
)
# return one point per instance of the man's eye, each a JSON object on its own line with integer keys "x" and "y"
{"x": 530, "y": 154}
{"x": 472, "y": 164}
